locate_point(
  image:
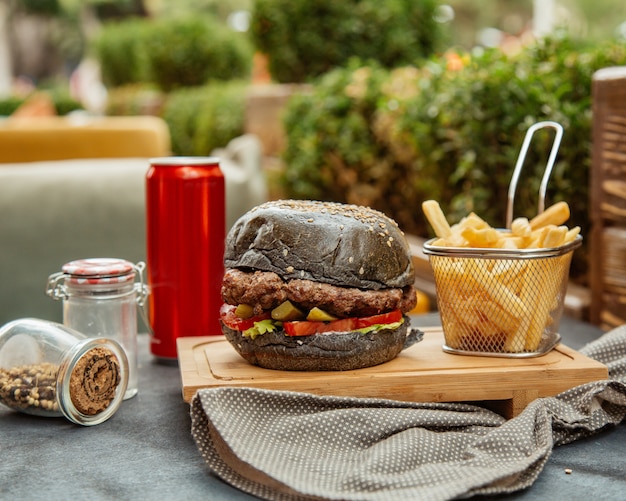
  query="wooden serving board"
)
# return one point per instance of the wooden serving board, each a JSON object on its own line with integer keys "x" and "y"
{"x": 421, "y": 373}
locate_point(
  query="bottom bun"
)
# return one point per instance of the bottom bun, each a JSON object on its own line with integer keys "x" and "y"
{"x": 323, "y": 352}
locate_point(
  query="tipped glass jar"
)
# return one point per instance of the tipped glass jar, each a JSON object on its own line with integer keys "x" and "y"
{"x": 48, "y": 369}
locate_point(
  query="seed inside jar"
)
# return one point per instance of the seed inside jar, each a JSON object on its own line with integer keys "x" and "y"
{"x": 30, "y": 388}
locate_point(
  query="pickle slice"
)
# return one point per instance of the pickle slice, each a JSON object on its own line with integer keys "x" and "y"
{"x": 319, "y": 315}
{"x": 244, "y": 311}
{"x": 286, "y": 312}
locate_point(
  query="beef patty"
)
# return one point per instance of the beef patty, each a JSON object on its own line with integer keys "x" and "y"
{"x": 265, "y": 290}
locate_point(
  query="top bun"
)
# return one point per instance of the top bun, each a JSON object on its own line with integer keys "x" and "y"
{"x": 338, "y": 244}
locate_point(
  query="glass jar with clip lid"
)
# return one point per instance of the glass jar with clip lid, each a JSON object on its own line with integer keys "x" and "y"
{"x": 100, "y": 299}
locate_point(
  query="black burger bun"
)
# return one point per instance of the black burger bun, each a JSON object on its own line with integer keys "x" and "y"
{"x": 338, "y": 244}
{"x": 323, "y": 352}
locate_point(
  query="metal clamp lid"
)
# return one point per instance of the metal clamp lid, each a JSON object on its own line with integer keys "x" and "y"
{"x": 97, "y": 271}
{"x": 143, "y": 291}
{"x": 101, "y": 270}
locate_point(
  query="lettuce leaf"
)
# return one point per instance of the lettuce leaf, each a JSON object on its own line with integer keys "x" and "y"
{"x": 261, "y": 327}
{"x": 378, "y": 327}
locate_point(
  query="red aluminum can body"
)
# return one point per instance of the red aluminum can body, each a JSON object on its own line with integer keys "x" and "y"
{"x": 185, "y": 230}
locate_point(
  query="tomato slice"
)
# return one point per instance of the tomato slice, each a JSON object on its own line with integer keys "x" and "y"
{"x": 302, "y": 327}
{"x": 227, "y": 315}
{"x": 383, "y": 318}
{"x": 307, "y": 328}
{"x": 341, "y": 325}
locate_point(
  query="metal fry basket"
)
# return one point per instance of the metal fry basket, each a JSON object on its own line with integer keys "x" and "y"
{"x": 503, "y": 302}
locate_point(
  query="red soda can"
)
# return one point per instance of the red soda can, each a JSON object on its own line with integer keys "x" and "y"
{"x": 185, "y": 230}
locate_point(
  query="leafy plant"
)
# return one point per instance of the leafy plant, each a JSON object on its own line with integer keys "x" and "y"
{"x": 9, "y": 104}
{"x": 64, "y": 103}
{"x": 40, "y": 7}
{"x": 120, "y": 50}
{"x": 171, "y": 52}
{"x": 188, "y": 52}
{"x": 305, "y": 39}
{"x": 201, "y": 119}
{"x": 332, "y": 152}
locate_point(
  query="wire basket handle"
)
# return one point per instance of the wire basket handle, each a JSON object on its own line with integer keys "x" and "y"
{"x": 546, "y": 174}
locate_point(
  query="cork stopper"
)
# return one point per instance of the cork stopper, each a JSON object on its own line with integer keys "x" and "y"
{"x": 94, "y": 381}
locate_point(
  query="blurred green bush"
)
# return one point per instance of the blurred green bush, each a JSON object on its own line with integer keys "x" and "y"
{"x": 9, "y": 104}
{"x": 450, "y": 130}
{"x": 194, "y": 51}
{"x": 65, "y": 104}
{"x": 201, "y": 119}
{"x": 305, "y": 39}
{"x": 120, "y": 50}
{"x": 60, "y": 97}
{"x": 171, "y": 52}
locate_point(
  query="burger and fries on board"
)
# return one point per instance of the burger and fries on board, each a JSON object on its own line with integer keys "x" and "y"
{"x": 315, "y": 285}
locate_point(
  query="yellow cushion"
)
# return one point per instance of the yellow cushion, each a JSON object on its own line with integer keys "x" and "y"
{"x": 32, "y": 139}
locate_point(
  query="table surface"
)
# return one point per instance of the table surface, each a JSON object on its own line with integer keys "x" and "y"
{"x": 145, "y": 451}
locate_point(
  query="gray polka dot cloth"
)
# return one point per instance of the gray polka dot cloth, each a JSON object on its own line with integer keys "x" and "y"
{"x": 296, "y": 446}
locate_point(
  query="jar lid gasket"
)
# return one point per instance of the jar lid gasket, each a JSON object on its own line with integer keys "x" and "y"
{"x": 98, "y": 268}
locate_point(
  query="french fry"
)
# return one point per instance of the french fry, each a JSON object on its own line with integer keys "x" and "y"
{"x": 543, "y": 305}
{"x": 534, "y": 334}
{"x": 525, "y": 334}
{"x": 499, "y": 316}
{"x": 511, "y": 243}
{"x": 495, "y": 289}
{"x": 454, "y": 329}
{"x": 473, "y": 221}
{"x": 454, "y": 279}
{"x": 455, "y": 240}
{"x": 480, "y": 237}
{"x": 535, "y": 241}
{"x": 510, "y": 272}
{"x": 554, "y": 237}
{"x": 471, "y": 315}
{"x": 490, "y": 330}
{"x": 556, "y": 214}
{"x": 571, "y": 235}
{"x": 436, "y": 218}
{"x": 520, "y": 227}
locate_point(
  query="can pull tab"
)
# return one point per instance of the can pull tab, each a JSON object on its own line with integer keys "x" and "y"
{"x": 546, "y": 174}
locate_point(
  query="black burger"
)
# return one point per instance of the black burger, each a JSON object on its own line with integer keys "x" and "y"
{"x": 317, "y": 286}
